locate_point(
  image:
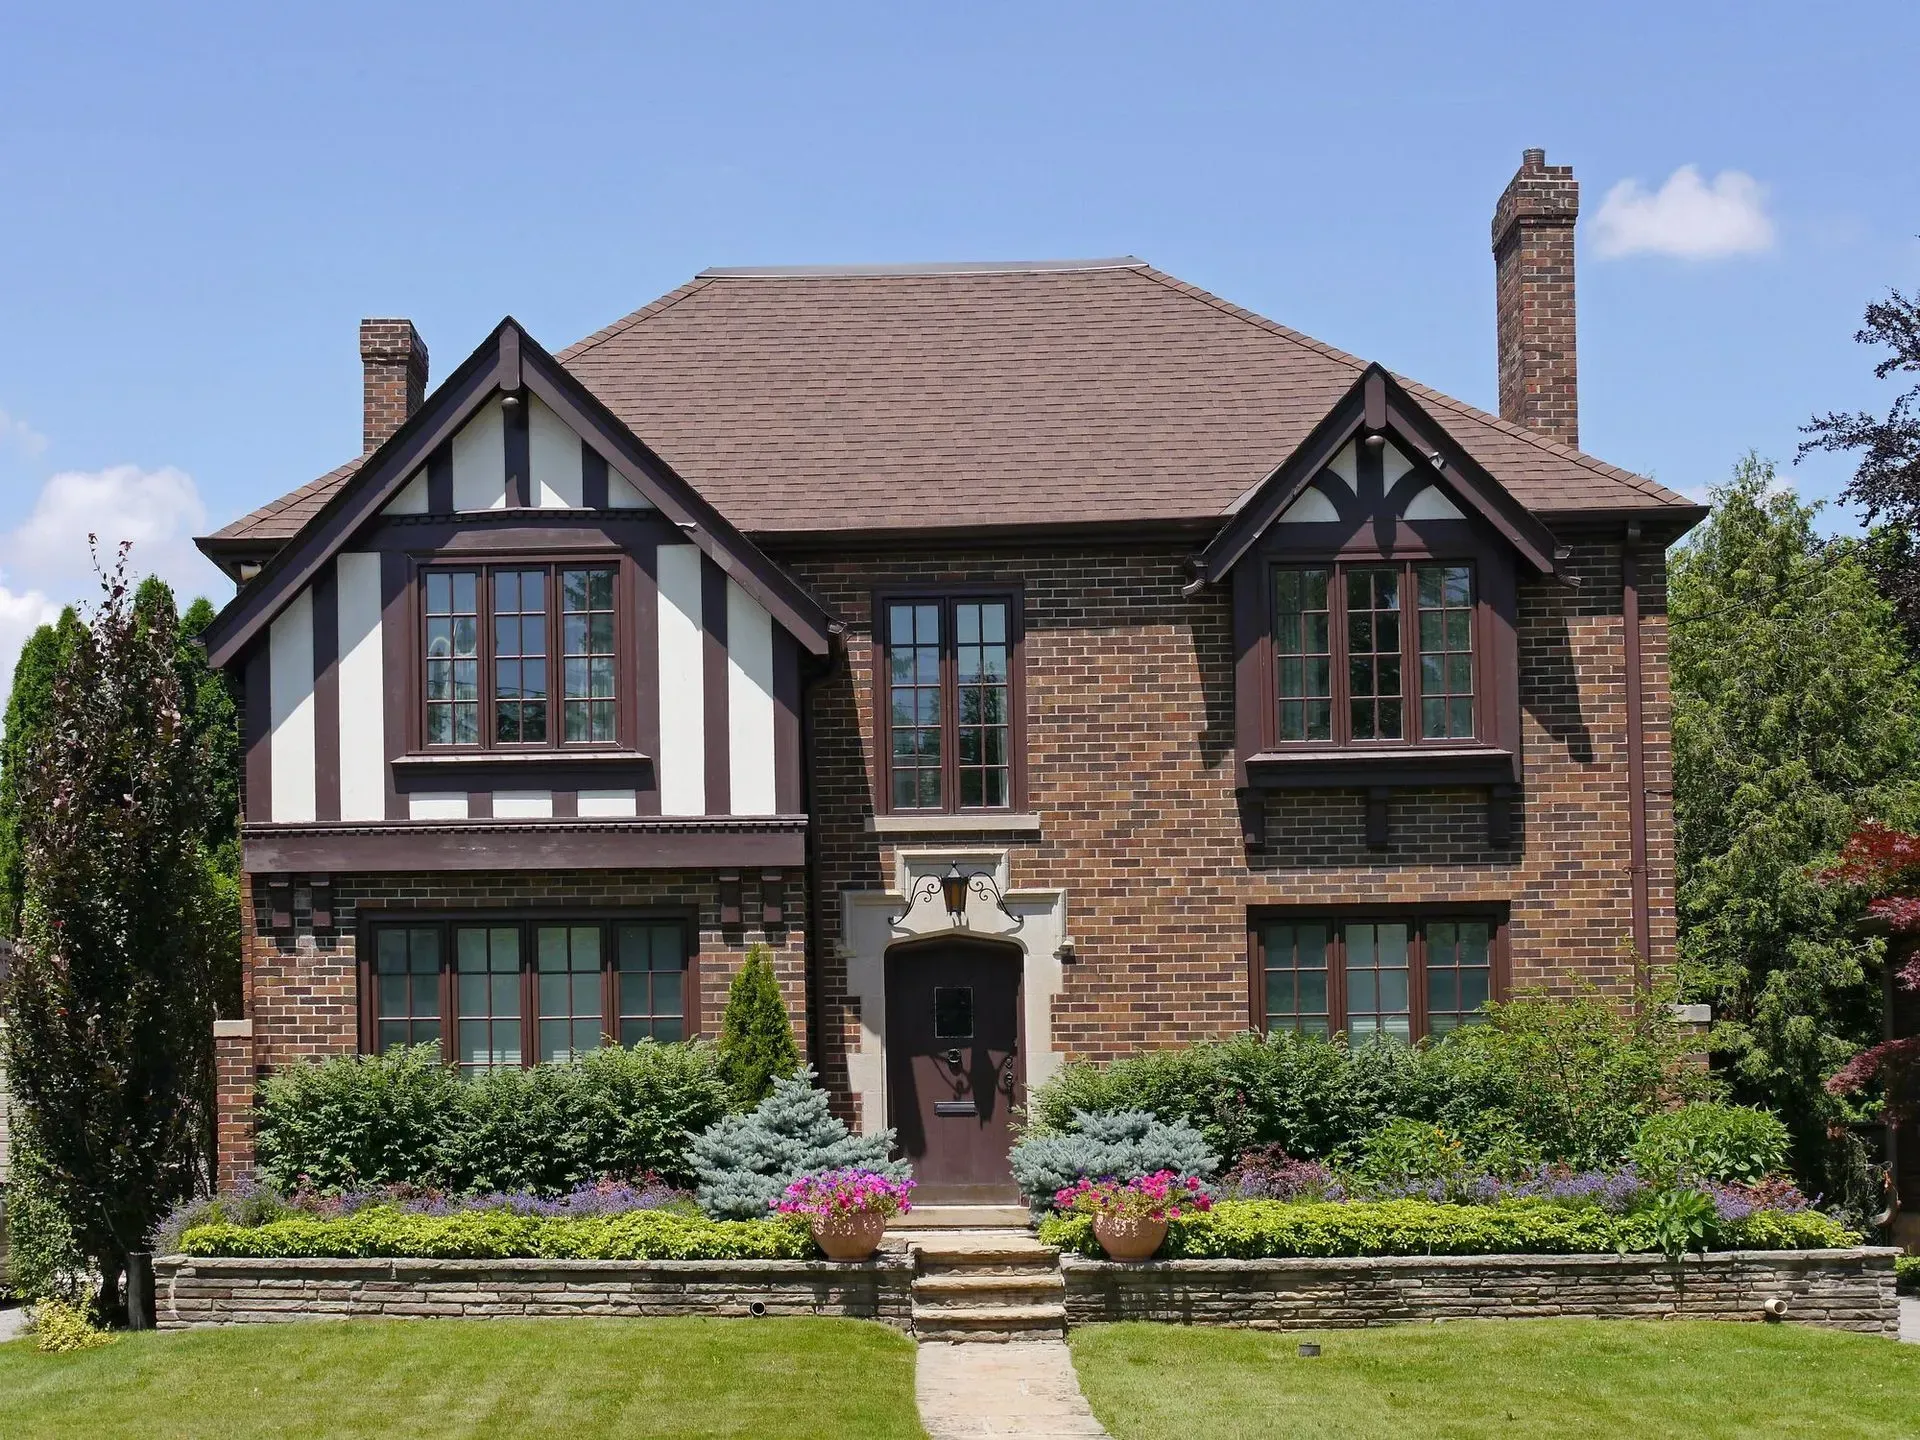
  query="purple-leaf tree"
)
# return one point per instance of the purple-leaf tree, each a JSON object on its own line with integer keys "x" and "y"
{"x": 109, "y": 1007}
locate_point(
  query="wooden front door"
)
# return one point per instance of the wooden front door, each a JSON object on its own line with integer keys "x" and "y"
{"x": 954, "y": 1067}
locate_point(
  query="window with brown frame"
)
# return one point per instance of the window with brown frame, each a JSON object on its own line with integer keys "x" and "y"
{"x": 1372, "y": 653}
{"x": 489, "y": 659}
{"x": 949, "y": 697}
{"x": 500, "y": 993}
{"x": 1398, "y": 975}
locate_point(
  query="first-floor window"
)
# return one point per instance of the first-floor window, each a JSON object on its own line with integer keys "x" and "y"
{"x": 1400, "y": 976}
{"x": 502, "y": 993}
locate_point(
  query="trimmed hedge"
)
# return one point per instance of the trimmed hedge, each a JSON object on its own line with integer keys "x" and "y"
{"x": 1271, "y": 1229}
{"x": 386, "y": 1233}
{"x": 1906, "y": 1274}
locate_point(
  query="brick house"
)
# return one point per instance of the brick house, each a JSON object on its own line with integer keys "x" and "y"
{"x": 1044, "y": 660}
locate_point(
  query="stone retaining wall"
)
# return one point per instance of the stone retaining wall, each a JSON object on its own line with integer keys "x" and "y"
{"x": 1838, "y": 1289}
{"x": 190, "y": 1291}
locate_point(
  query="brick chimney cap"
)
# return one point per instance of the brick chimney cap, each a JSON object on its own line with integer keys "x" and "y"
{"x": 391, "y": 339}
{"x": 1534, "y": 158}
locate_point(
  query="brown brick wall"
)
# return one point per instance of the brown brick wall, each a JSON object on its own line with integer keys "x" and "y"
{"x": 1130, "y": 753}
{"x": 302, "y": 987}
{"x": 1533, "y": 227}
{"x": 393, "y": 363}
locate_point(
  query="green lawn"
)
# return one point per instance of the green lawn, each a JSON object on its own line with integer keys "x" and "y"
{"x": 1585, "y": 1378}
{"x": 430, "y": 1379}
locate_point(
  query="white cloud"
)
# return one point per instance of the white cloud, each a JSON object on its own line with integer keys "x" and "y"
{"x": 45, "y": 563}
{"x": 16, "y": 434}
{"x": 1688, "y": 217}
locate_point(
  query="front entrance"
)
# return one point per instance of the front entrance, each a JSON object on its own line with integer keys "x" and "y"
{"x": 954, "y": 1067}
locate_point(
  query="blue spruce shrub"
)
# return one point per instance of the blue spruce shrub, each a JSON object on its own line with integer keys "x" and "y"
{"x": 1123, "y": 1145}
{"x": 744, "y": 1162}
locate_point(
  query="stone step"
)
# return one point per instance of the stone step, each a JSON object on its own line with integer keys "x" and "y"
{"x": 990, "y": 1322}
{"x": 968, "y": 1291}
{"x": 963, "y": 1217}
{"x": 986, "y": 1259}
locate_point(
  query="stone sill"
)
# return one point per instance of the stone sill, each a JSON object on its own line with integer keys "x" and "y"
{"x": 1875, "y": 1256}
{"x": 1010, "y": 823}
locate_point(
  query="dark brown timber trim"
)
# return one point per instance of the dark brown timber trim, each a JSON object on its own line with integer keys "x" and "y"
{"x": 645, "y": 651}
{"x": 770, "y": 841}
{"x": 786, "y": 723}
{"x": 326, "y": 693}
{"x": 440, "y": 481}
{"x": 566, "y": 804}
{"x": 719, "y": 746}
{"x": 1636, "y": 750}
{"x": 258, "y": 709}
{"x": 593, "y": 478}
{"x": 529, "y": 769}
{"x": 396, "y": 660}
{"x": 480, "y": 804}
{"x": 516, "y": 435}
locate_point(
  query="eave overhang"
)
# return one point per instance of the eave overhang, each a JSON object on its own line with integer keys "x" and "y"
{"x": 408, "y": 846}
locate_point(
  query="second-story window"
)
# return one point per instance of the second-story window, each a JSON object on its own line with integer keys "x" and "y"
{"x": 949, "y": 702}
{"x": 1373, "y": 653}
{"x": 490, "y": 658}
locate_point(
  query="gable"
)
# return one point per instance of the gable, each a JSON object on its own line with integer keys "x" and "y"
{"x": 1376, "y": 458}
{"x": 511, "y": 430}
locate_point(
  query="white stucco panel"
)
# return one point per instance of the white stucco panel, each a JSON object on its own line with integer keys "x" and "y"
{"x": 363, "y": 704}
{"x": 682, "y": 761}
{"x": 290, "y": 733}
{"x": 750, "y": 760}
{"x": 553, "y": 456}
{"x": 480, "y": 462}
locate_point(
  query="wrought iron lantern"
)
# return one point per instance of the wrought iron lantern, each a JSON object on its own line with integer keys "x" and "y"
{"x": 952, "y": 890}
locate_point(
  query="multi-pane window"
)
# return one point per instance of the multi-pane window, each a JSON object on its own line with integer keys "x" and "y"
{"x": 1303, "y": 654}
{"x": 487, "y": 1000}
{"x": 1399, "y": 977}
{"x": 1446, "y": 651}
{"x": 492, "y": 684}
{"x": 569, "y": 990}
{"x": 505, "y": 993}
{"x": 453, "y": 657}
{"x": 586, "y": 598}
{"x": 949, "y": 703}
{"x": 407, "y": 977}
{"x": 651, "y": 979}
{"x": 1342, "y": 635}
{"x": 520, "y": 656}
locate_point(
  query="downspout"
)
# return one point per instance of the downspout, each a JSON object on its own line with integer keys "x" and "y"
{"x": 1636, "y": 752}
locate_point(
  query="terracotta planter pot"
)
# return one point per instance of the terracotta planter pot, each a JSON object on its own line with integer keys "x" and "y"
{"x": 850, "y": 1237}
{"x": 1128, "y": 1239}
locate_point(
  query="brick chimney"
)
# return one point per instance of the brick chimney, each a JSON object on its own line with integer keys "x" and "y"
{"x": 394, "y": 359}
{"x": 1533, "y": 289}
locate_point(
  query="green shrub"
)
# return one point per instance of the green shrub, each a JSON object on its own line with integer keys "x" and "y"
{"x": 406, "y": 1118}
{"x": 1906, "y": 1274}
{"x": 1408, "y": 1152}
{"x": 1733, "y": 1144}
{"x": 745, "y": 1161}
{"x": 1269, "y": 1229}
{"x": 60, "y": 1328}
{"x": 384, "y": 1232}
{"x": 1115, "y": 1146}
{"x": 756, "y": 1038}
{"x": 43, "y": 1259}
{"x": 1542, "y": 1081}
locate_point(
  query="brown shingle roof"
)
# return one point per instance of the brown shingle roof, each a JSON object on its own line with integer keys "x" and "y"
{"x": 1097, "y": 391}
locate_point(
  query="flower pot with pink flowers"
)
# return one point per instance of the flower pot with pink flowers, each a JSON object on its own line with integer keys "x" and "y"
{"x": 848, "y": 1209}
{"x": 1130, "y": 1217}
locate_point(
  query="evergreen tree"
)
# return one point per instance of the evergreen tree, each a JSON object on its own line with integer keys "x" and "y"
{"x": 28, "y": 707}
{"x": 746, "y": 1161}
{"x": 1796, "y": 715}
{"x": 109, "y": 1005}
{"x": 756, "y": 1039}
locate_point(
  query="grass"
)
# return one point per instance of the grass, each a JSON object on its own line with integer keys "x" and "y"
{"x": 431, "y": 1379}
{"x": 1582, "y": 1378}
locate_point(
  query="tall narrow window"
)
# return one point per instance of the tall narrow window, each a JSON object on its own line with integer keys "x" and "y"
{"x": 520, "y": 657}
{"x": 1294, "y": 962}
{"x": 453, "y": 657}
{"x": 587, "y": 613}
{"x": 407, "y": 993}
{"x": 1373, "y": 653}
{"x": 1459, "y": 973}
{"x": 1378, "y": 995}
{"x": 1303, "y": 654}
{"x": 569, "y": 990}
{"x": 981, "y": 669}
{"x": 487, "y": 997}
{"x": 652, "y": 983}
{"x": 914, "y": 700}
{"x": 1446, "y": 651}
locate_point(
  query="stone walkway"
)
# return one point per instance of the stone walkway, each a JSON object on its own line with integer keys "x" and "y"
{"x": 1910, "y": 1319}
{"x": 1024, "y": 1387}
{"x": 13, "y": 1321}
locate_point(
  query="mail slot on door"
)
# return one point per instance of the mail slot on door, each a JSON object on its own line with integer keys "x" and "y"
{"x": 955, "y": 1107}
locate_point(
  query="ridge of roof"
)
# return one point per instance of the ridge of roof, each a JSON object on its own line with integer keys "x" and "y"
{"x": 911, "y": 268}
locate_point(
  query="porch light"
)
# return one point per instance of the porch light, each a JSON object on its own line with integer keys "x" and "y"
{"x": 953, "y": 889}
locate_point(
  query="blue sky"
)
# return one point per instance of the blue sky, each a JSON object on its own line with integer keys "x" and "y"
{"x": 198, "y": 203}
